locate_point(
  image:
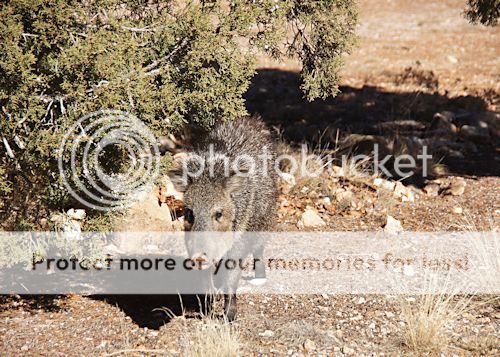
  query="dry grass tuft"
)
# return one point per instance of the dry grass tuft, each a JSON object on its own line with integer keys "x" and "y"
{"x": 429, "y": 315}
{"x": 426, "y": 320}
{"x": 214, "y": 337}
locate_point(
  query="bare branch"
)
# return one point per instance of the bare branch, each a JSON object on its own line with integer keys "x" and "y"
{"x": 150, "y": 69}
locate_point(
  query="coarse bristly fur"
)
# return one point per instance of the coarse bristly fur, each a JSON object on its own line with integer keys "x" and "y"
{"x": 247, "y": 202}
{"x": 239, "y": 197}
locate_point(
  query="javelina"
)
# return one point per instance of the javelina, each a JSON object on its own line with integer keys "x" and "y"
{"x": 229, "y": 184}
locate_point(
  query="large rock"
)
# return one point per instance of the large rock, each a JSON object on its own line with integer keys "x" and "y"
{"x": 310, "y": 219}
{"x": 432, "y": 189}
{"x": 392, "y": 225}
{"x": 146, "y": 215}
{"x": 456, "y": 187}
{"x": 442, "y": 124}
{"x": 479, "y": 133}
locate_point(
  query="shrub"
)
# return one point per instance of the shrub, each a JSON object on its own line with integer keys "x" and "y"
{"x": 485, "y": 12}
{"x": 166, "y": 62}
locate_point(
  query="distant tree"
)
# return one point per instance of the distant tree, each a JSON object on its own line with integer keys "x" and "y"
{"x": 485, "y": 12}
{"x": 167, "y": 62}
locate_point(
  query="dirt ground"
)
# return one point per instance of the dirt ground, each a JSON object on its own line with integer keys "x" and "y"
{"x": 414, "y": 59}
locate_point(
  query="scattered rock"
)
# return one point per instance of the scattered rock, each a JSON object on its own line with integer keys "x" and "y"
{"x": 66, "y": 224}
{"x": 386, "y": 184}
{"x": 456, "y": 187}
{"x": 458, "y": 210}
{"x": 432, "y": 189}
{"x": 146, "y": 215}
{"x": 309, "y": 345}
{"x": 346, "y": 197}
{"x": 361, "y": 301}
{"x": 288, "y": 178}
{"x": 348, "y": 350}
{"x": 404, "y": 193}
{"x": 310, "y": 219}
{"x": 44, "y": 223}
{"x": 442, "y": 124}
{"x": 392, "y": 225}
{"x": 478, "y": 133}
{"x": 78, "y": 214}
{"x": 266, "y": 333}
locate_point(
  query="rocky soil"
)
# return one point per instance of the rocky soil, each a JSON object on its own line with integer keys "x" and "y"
{"x": 421, "y": 75}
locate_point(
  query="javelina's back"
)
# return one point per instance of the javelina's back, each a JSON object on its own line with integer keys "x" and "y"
{"x": 245, "y": 142}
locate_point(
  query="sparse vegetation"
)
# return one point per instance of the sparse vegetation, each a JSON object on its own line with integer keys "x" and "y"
{"x": 214, "y": 337}
{"x": 428, "y": 316}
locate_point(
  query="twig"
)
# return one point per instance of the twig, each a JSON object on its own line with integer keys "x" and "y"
{"x": 61, "y": 104}
{"x": 131, "y": 350}
{"x": 7, "y": 148}
{"x": 6, "y": 112}
{"x": 140, "y": 29}
{"x": 149, "y": 69}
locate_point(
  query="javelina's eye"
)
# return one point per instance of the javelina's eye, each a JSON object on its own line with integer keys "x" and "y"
{"x": 218, "y": 215}
{"x": 188, "y": 215}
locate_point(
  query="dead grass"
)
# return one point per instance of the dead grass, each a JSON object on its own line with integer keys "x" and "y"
{"x": 429, "y": 316}
{"x": 431, "y": 313}
{"x": 214, "y": 337}
{"x": 427, "y": 319}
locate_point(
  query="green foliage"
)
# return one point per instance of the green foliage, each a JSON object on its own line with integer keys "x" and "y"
{"x": 166, "y": 62}
{"x": 485, "y": 12}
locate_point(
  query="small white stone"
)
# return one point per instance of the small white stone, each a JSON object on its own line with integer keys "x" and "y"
{"x": 392, "y": 225}
{"x": 309, "y": 345}
{"x": 288, "y": 178}
{"x": 78, "y": 214}
{"x": 266, "y": 333}
{"x": 361, "y": 300}
{"x": 385, "y": 184}
{"x": 458, "y": 210}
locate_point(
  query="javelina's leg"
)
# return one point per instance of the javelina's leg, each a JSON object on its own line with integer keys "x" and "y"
{"x": 230, "y": 307}
{"x": 260, "y": 267}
